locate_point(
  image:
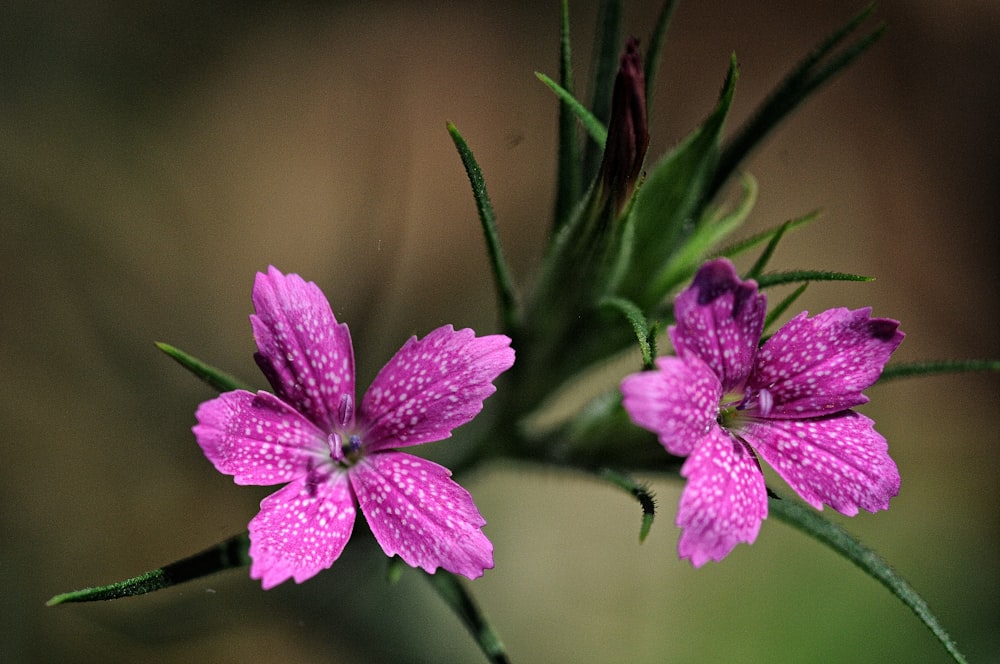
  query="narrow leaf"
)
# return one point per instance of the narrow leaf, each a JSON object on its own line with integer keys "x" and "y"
{"x": 765, "y": 236}
{"x": 644, "y": 332}
{"x": 813, "y": 524}
{"x": 656, "y": 41}
{"x": 939, "y": 367}
{"x": 782, "y": 306}
{"x": 460, "y": 600}
{"x": 594, "y": 127}
{"x": 501, "y": 275}
{"x": 603, "y": 67}
{"x": 215, "y": 378}
{"x": 569, "y": 179}
{"x": 765, "y": 255}
{"x": 234, "y": 552}
{"x": 796, "y": 87}
{"x": 778, "y": 278}
{"x": 640, "y": 492}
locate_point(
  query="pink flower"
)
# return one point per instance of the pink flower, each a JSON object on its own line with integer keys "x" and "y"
{"x": 725, "y": 399}
{"x": 336, "y": 456}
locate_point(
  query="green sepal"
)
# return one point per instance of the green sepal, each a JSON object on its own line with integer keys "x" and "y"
{"x": 594, "y": 127}
{"x": 748, "y": 243}
{"x": 811, "y": 73}
{"x": 458, "y": 598}
{"x": 906, "y": 370}
{"x": 645, "y": 332}
{"x": 502, "y": 281}
{"x": 672, "y": 196}
{"x": 215, "y": 378}
{"x": 794, "y": 276}
{"x": 706, "y": 236}
{"x": 640, "y": 492}
{"x": 230, "y": 554}
{"x": 815, "y": 525}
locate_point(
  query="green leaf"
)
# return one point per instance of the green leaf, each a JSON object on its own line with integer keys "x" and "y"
{"x": 603, "y": 69}
{"x": 813, "y": 524}
{"x": 750, "y": 242}
{"x": 777, "y": 278}
{"x": 569, "y": 179}
{"x": 672, "y": 197}
{"x": 797, "y": 86}
{"x": 232, "y": 553}
{"x": 765, "y": 255}
{"x": 594, "y": 127}
{"x": 501, "y": 275}
{"x": 644, "y": 332}
{"x": 656, "y": 40}
{"x": 217, "y": 379}
{"x": 706, "y": 236}
{"x": 782, "y": 306}
{"x": 460, "y": 600}
{"x": 906, "y": 370}
{"x": 640, "y": 492}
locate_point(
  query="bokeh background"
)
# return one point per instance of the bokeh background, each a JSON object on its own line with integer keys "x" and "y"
{"x": 155, "y": 155}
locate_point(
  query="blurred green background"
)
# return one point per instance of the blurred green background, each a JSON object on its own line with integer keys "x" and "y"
{"x": 155, "y": 155}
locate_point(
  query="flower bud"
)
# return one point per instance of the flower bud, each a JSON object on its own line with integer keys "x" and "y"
{"x": 628, "y": 137}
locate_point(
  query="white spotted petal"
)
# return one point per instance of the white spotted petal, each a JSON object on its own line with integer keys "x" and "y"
{"x": 720, "y": 319}
{"x": 301, "y": 529}
{"x": 417, "y": 512}
{"x": 820, "y": 365}
{"x": 678, "y": 402}
{"x": 257, "y": 438}
{"x": 724, "y": 500}
{"x": 839, "y": 460}
{"x": 431, "y": 386}
{"x": 304, "y": 352}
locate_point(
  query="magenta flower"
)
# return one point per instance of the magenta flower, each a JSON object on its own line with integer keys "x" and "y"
{"x": 723, "y": 399}
{"x": 335, "y": 456}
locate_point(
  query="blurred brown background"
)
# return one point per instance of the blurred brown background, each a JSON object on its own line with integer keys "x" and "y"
{"x": 155, "y": 155}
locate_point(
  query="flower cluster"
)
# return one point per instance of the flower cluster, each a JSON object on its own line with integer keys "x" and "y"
{"x": 725, "y": 399}
{"x": 336, "y": 456}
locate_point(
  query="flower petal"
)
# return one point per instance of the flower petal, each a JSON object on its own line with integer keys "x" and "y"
{"x": 839, "y": 460}
{"x": 724, "y": 500}
{"x": 417, "y": 512}
{"x": 720, "y": 319}
{"x": 301, "y": 529}
{"x": 257, "y": 438}
{"x": 305, "y": 354}
{"x": 431, "y": 386}
{"x": 817, "y": 366}
{"x": 678, "y": 402}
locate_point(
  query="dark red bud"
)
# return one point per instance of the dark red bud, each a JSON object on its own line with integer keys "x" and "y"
{"x": 628, "y": 135}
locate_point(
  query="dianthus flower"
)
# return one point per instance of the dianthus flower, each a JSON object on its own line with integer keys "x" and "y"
{"x": 725, "y": 399}
{"x": 337, "y": 457}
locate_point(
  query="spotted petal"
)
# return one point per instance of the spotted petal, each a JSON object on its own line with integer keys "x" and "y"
{"x": 839, "y": 460}
{"x": 417, "y": 512}
{"x": 305, "y": 354}
{"x": 431, "y": 386}
{"x": 720, "y": 319}
{"x": 257, "y": 438}
{"x": 301, "y": 529}
{"x": 817, "y": 366}
{"x": 724, "y": 500}
{"x": 678, "y": 402}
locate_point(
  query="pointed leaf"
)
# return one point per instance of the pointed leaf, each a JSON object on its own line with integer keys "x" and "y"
{"x": 644, "y": 332}
{"x": 778, "y": 278}
{"x": 569, "y": 179}
{"x": 815, "y": 525}
{"x": 656, "y": 40}
{"x": 594, "y": 127}
{"x": 603, "y": 67}
{"x": 944, "y": 366}
{"x": 215, "y": 378}
{"x": 765, "y": 236}
{"x": 501, "y": 275}
{"x": 640, "y": 492}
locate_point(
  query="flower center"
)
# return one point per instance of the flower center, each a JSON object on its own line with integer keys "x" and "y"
{"x": 738, "y": 408}
{"x": 345, "y": 447}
